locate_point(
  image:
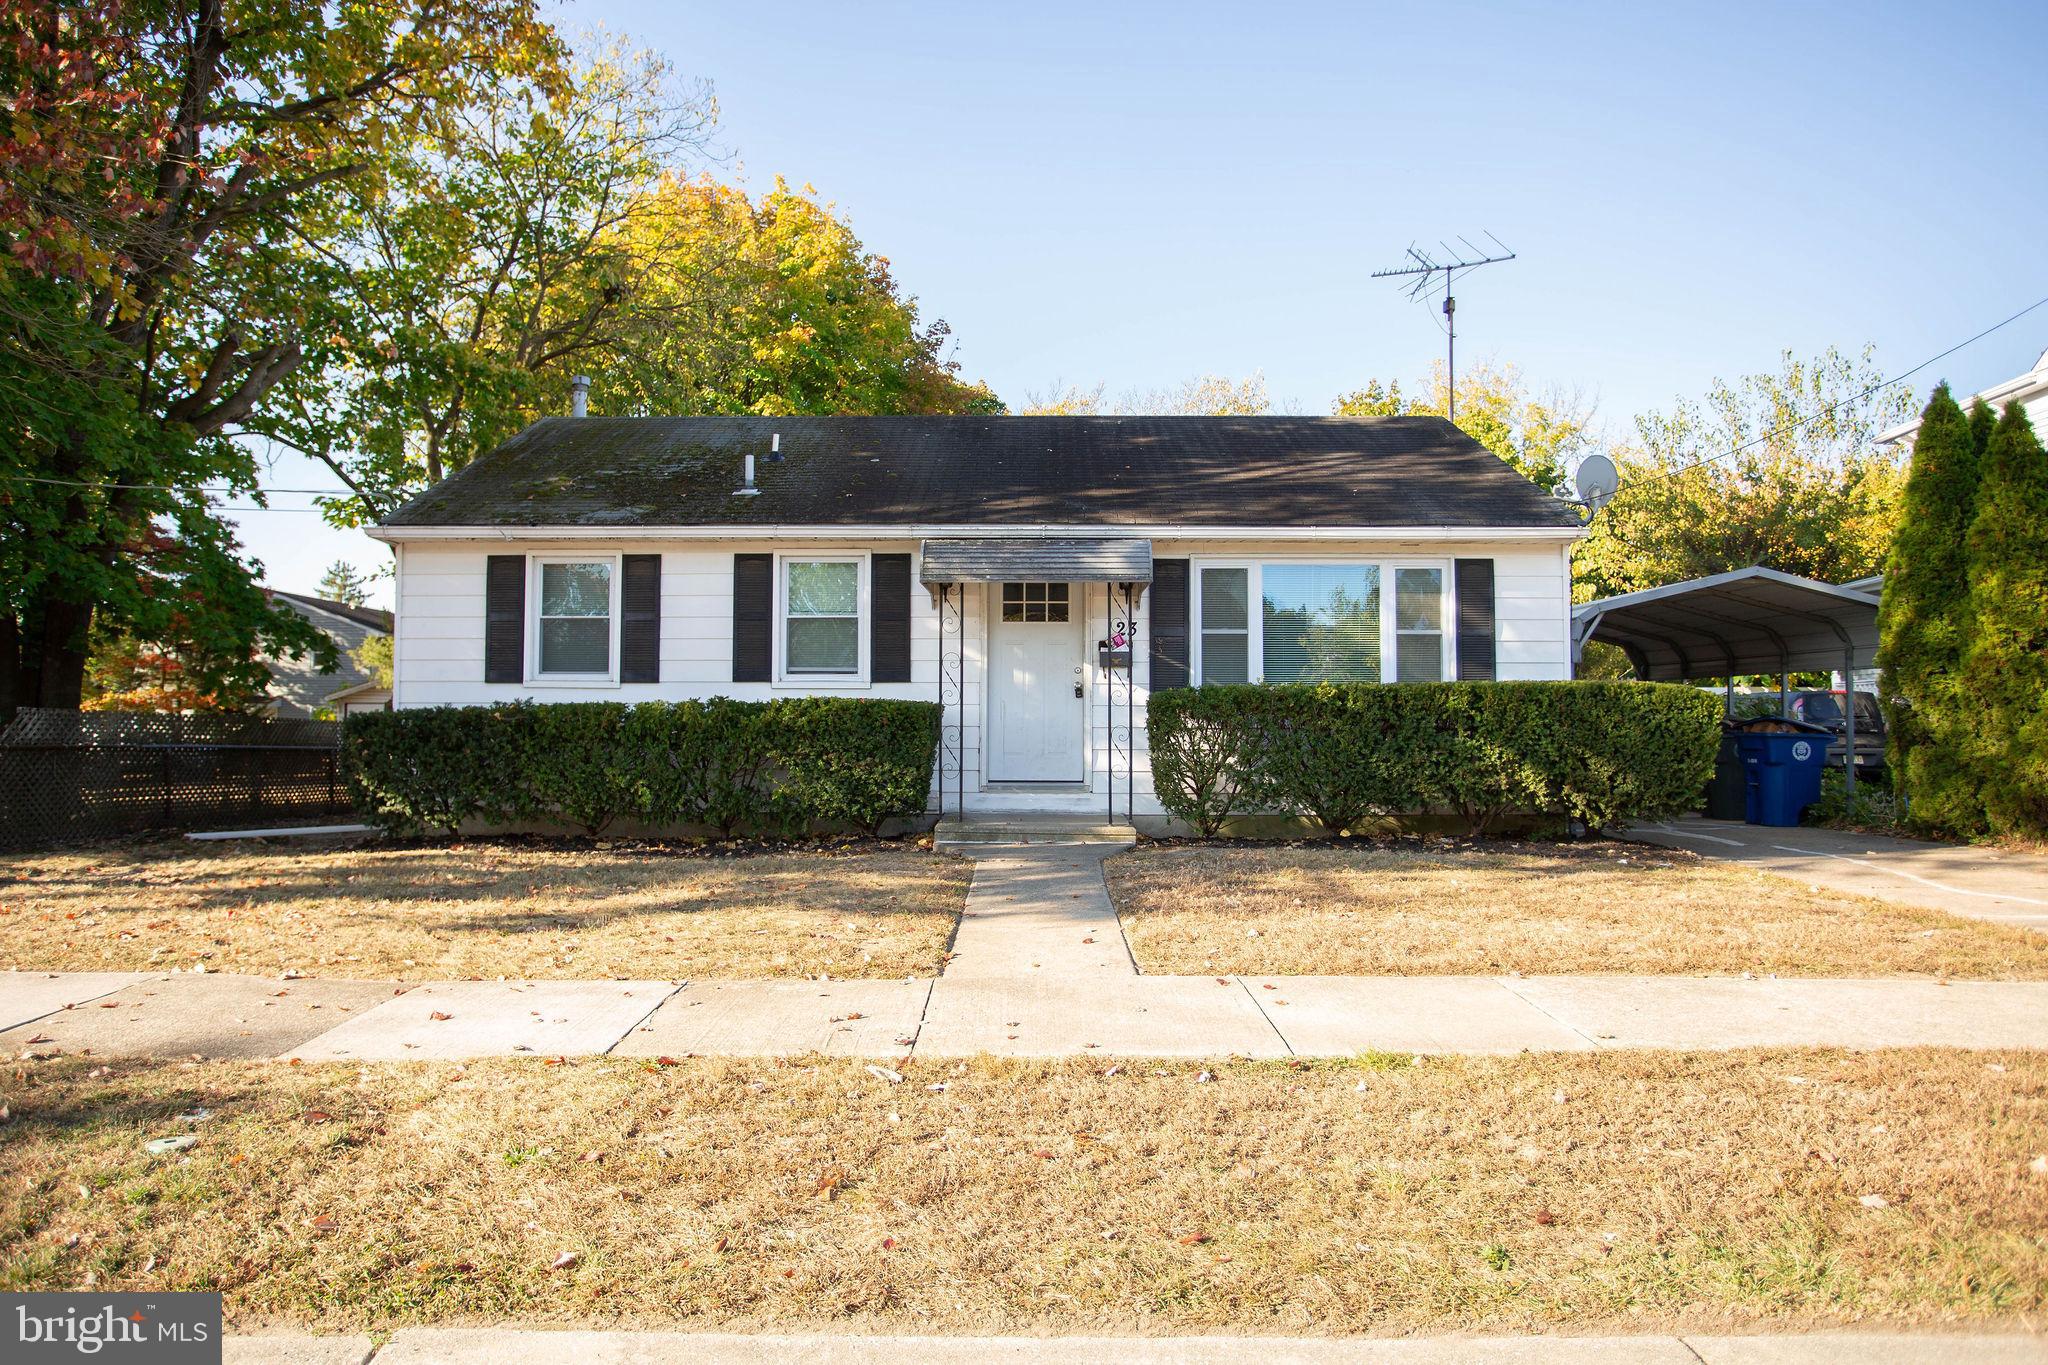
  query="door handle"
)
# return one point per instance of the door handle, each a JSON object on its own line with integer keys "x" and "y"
{"x": 1077, "y": 689}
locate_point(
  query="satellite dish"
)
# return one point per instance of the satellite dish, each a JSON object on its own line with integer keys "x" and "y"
{"x": 1596, "y": 480}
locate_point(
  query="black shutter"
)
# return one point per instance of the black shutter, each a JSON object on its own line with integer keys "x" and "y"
{"x": 1169, "y": 624}
{"x": 889, "y": 626}
{"x": 505, "y": 619}
{"x": 753, "y": 617}
{"x": 1474, "y": 587}
{"x": 640, "y": 619}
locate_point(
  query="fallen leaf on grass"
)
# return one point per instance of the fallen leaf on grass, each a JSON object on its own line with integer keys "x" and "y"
{"x": 1874, "y": 1201}
{"x": 565, "y": 1260}
{"x": 1544, "y": 1218}
{"x": 320, "y": 1222}
{"x": 1193, "y": 1239}
{"x": 883, "y": 1073}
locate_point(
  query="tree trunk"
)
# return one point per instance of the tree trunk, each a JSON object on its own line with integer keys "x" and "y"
{"x": 10, "y": 666}
{"x": 59, "y": 680}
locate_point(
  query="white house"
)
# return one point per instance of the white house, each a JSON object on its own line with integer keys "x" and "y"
{"x": 1038, "y": 576}
{"x": 2029, "y": 390}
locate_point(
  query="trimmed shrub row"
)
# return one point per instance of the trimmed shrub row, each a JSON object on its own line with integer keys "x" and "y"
{"x": 1338, "y": 753}
{"x": 780, "y": 766}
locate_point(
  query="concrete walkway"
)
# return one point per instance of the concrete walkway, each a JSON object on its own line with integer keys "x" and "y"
{"x": 1981, "y": 883}
{"x": 505, "y": 1346}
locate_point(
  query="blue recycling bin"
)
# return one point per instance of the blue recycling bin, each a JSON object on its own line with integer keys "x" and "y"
{"x": 1782, "y": 773}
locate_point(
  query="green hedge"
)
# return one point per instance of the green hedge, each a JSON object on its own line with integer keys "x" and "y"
{"x": 1596, "y": 752}
{"x": 774, "y": 767}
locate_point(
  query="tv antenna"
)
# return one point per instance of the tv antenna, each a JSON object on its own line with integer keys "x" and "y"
{"x": 1454, "y": 265}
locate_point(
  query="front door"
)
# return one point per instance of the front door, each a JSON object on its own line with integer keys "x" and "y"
{"x": 1037, "y": 711}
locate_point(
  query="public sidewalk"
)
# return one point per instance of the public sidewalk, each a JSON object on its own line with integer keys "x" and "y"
{"x": 1039, "y": 968}
{"x": 506, "y": 1346}
{"x": 1980, "y": 883}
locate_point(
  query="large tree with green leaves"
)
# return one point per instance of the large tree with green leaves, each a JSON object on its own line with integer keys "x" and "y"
{"x": 167, "y": 165}
{"x": 1542, "y": 435}
{"x": 786, "y": 311}
{"x": 1921, "y": 624}
{"x": 496, "y": 256}
{"x": 1780, "y": 469}
{"x": 559, "y": 231}
{"x": 2003, "y": 674}
{"x": 1207, "y": 395}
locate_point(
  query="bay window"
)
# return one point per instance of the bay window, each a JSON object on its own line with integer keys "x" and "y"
{"x": 1319, "y": 621}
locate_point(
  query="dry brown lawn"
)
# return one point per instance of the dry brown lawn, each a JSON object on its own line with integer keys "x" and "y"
{"x": 481, "y": 909}
{"x": 1630, "y": 1190}
{"x": 1455, "y": 908}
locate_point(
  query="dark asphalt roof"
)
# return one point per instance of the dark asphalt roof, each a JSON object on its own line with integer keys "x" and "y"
{"x": 376, "y": 618}
{"x": 989, "y": 471}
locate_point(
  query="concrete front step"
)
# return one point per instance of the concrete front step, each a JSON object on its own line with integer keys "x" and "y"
{"x": 1030, "y": 829}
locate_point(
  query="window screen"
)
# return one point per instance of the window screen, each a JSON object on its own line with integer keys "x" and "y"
{"x": 1226, "y": 625}
{"x": 1418, "y": 625}
{"x": 575, "y": 618}
{"x": 823, "y": 616}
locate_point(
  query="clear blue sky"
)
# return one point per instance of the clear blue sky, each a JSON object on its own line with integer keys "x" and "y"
{"x": 1140, "y": 193}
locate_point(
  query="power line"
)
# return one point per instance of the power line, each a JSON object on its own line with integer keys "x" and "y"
{"x": 169, "y": 487}
{"x": 1832, "y": 408}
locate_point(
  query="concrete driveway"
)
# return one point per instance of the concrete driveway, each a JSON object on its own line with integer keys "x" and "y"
{"x": 1982, "y": 883}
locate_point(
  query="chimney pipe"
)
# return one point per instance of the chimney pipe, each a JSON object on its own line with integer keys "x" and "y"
{"x": 579, "y": 396}
{"x": 746, "y": 488}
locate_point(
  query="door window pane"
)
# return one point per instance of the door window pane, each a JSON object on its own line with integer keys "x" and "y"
{"x": 1418, "y": 625}
{"x": 575, "y": 618}
{"x": 1226, "y": 622}
{"x": 823, "y": 617}
{"x": 1035, "y": 602}
{"x": 1321, "y": 622}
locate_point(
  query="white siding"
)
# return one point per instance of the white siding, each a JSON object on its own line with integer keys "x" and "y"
{"x": 440, "y": 649}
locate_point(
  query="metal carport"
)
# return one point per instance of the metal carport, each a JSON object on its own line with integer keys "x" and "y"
{"x": 1753, "y": 620}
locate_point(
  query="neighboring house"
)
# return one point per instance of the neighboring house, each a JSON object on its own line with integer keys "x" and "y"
{"x": 2029, "y": 390}
{"x": 299, "y": 688}
{"x": 1006, "y": 567}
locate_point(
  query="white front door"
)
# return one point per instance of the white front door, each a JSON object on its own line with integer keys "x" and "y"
{"x": 1037, "y": 711}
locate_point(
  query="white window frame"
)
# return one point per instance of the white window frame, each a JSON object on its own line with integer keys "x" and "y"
{"x": 536, "y": 678}
{"x": 1255, "y": 614}
{"x": 863, "y": 623}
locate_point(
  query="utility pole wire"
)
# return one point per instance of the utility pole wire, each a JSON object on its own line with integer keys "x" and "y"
{"x": 1836, "y": 406}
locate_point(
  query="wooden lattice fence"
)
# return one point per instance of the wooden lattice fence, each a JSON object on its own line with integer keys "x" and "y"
{"x": 70, "y": 775}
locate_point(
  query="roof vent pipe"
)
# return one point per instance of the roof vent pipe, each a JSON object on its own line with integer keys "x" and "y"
{"x": 775, "y": 448}
{"x": 579, "y": 396}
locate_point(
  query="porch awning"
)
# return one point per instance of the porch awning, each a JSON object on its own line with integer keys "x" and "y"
{"x": 1750, "y": 621}
{"x": 1014, "y": 559}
